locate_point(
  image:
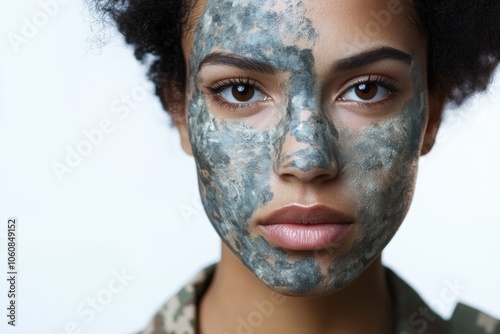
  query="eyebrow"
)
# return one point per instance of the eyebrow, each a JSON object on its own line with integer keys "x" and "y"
{"x": 369, "y": 57}
{"x": 232, "y": 60}
{"x": 342, "y": 65}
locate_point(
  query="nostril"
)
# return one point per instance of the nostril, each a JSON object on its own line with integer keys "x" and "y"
{"x": 306, "y": 153}
{"x": 308, "y": 164}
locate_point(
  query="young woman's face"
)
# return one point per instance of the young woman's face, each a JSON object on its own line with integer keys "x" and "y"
{"x": 306, "y": 103}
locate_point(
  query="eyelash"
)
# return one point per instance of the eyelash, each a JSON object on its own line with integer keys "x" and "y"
{"x": 219, "y": 86}
{"x": 223, "y": 84}
{"x": 387, "y": 83}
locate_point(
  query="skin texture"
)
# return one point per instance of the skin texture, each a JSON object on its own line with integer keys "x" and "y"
{"x": 300, "y": 146}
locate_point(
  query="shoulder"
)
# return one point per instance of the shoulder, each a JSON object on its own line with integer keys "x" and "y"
{"x": 468, "y": 320}
{"x": 413, "y": 315}
{"x": 179, "y": 314}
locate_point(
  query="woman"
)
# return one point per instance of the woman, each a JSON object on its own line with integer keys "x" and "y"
{"x": 306, "y": 121}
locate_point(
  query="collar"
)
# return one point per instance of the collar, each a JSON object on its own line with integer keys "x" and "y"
{"x": 179, "y": 315}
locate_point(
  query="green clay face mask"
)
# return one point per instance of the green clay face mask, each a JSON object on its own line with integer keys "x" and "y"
{"x": 373, "y": 167}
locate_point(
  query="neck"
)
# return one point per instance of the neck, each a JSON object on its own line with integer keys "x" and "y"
{"x": 237, "y": 302}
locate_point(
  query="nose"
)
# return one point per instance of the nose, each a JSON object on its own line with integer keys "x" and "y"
{"x": 306, "y": 150}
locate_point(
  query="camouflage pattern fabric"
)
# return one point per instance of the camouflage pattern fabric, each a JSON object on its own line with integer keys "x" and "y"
{"x": 410, "y": 313}
{"x": 178, "y": 315}
{"x": 412, "y": 316}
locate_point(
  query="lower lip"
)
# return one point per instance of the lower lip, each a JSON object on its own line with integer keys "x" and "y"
{"x": 306, "y": 237}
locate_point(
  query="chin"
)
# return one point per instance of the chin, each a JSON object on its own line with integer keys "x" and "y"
{"x": 301, "y": 276}
{"x": 297, "y": 285}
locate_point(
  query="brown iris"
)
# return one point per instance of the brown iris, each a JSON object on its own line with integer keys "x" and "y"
{"x": 366, "y": 91}
{"x": 243, "y": 93}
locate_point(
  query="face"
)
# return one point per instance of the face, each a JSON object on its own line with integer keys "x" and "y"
{"x": 308, "y": 104}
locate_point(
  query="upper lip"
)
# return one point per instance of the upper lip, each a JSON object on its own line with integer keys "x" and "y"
{"x": 315, "y": 214}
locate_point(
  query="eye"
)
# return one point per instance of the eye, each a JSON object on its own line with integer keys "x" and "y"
{"x": 241, "y": 93}
{"x": 369, "y": 91}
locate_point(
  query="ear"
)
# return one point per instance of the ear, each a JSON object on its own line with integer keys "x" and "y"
{"x": 436, "y": 106}
{"x": 174, "y": 101}
{"x": 180, "y": 123}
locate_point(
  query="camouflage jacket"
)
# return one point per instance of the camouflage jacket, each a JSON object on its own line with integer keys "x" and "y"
{"x": 411, "y": 315}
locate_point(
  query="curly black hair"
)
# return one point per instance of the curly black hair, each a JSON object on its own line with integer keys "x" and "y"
{"x": 463, "y": 38}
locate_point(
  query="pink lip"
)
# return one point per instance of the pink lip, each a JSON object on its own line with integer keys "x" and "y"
{"x": 306, "y": 228}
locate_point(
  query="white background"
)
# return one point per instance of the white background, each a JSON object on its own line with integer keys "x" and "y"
{"x": 121, "y": 207}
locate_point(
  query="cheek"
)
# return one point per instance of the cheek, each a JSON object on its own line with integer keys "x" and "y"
{"x": 234, "y": 168}
{"x": 380, "y": 165}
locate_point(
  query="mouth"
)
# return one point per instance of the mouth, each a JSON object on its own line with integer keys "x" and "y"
{"x": 306, "y": 228}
